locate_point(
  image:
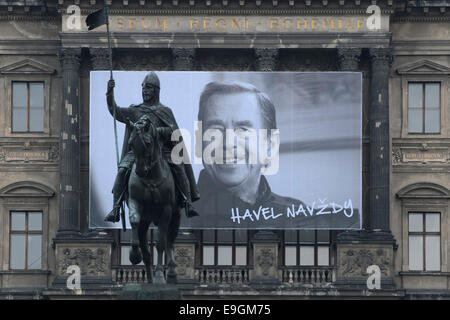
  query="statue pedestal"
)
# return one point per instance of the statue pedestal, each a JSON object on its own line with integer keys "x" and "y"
{"x": 149, "y": 291}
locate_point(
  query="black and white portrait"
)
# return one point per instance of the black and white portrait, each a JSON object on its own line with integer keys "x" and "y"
{"x": 279, "y": 150}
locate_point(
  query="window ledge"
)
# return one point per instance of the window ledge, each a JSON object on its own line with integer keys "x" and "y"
{"x": 25, "y": 272}
{"x": 423, "y": 273}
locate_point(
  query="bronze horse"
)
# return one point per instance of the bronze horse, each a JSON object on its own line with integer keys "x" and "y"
{"x": 152, "y": 197}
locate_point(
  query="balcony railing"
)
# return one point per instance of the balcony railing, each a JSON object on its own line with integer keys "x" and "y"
{"x": 223, "y": 274}
{"x": 129, "y": 274}
{"x": 208, "y": 275}
{"x": 308, "y": 275}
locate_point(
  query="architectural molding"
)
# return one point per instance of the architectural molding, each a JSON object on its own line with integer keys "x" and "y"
{"x": 27, "y": 66}
{"x": 26, "y": 189}
{"x": 423, "y": 67}
{"x": 423, "y": 190}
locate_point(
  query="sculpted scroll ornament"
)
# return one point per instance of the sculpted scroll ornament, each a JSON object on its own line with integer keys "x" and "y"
{"x": 355, "y": 262}
{"x": 266, "y": 260}
{"x": 183, "y": 260}
{"x": 92, "y": 262}
{"x": 396, "y": 156}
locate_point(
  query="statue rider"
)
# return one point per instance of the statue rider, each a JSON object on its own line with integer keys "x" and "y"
{"x": 160, "y": 116}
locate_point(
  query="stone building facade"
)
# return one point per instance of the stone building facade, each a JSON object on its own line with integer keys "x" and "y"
{"x": 44, "y": 166}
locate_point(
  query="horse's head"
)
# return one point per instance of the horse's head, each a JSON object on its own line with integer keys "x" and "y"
{"x": 144, "y": 142}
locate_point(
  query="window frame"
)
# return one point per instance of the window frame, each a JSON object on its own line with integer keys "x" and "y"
{"x": 8, "y": 128}
{"x": 25, "y": 232}
{"x": 423, "y": 197}
{"x": 216, "y": 244}
{"x": 28, "y": 106}
{"x": 152, "y": 246}
{"x": 443, "y": 100}
{"x": 423, "y": 108}
{"x": 299, "y": 244}
{"x": 423, "y": 234}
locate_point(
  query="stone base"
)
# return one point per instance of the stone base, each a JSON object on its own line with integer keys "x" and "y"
{"x": 149, "y": 292}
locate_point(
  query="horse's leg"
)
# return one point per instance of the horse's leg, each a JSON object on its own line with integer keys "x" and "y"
{"x": 173, "y": 232}
{"x": 135, "y": 213}
{"x": 145, "y": 249}
{"x": 161, "y": 246}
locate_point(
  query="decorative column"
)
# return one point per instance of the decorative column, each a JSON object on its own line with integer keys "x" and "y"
{"x": 69, "y": 193}
{"x": 357, "y": 250}
{"x": 265, "y": 243}
{"x": 349, "y": 59}
{"x": 266, "y": 59}
{"x": 91, "y": 252}
{"x": 183, "y": 59}
{"x": 381, "y": 59}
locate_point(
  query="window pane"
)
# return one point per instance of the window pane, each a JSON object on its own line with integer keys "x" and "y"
{"x": 290, "y": 255}
{"x": 415, "y": 253}
{"x": 36, "y": 120}
{"x": 433, "y": 253}
{"x": 17, "y": 251}
{"x": 225, "y": 256}
{"x": 307, "y": 236}
{"x": 17, "y": 221}
{"x": 224, "y": 235}
{"x": 124, "y": 255}
{"x": 36, "y": 94}
{"x": 323, "y": 236}
{"x": 323, "y": 256}
{"x": 432, "y": 95}
{"x": 19, "y": 94}
{"x": 241, "y": 255}
{"x": 35, "y": 221}
{"x": 290, "y": 236}
{"x": 34, "y": 251}
{"x": 19, "y": 119}
{"x": 125, "y": 236}
{"x": 240, "y": 235}
{"x": 432, "y": 222}
{"x": 415, "y": 120}
{"x": 155, "y": 256}
{"x": 306, "y": 255}
{"x": 208, "y": 255}
{"x": 432, "y": 120}
{"x": 415, "y": 95}
{"x": 415, "y": 222}
{"x": 208, "y": 235}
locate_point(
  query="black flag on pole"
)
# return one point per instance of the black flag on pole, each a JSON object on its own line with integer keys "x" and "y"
{"x": 97, "y": 19}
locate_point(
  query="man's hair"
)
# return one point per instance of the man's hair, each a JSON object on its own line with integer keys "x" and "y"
{"x": 228, "y": 87}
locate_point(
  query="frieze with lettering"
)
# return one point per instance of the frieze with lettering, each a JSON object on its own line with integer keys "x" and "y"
{"x": 235, "y": 24}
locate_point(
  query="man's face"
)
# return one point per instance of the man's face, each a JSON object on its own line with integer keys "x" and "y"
{"x": 148, "y": 92}
{"x": 239, "y": 111}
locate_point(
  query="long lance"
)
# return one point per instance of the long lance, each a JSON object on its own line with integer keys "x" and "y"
{"x": 114, "y": 109}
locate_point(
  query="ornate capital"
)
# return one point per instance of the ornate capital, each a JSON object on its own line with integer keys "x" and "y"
{"x": 99, "y": 58}
{"x": 183, "y": 58}
{"x": 381, "y": 59}
{"x": 70, "y": 59}
{"x": 349, "y": 58}
{"x": 266, "y": 59}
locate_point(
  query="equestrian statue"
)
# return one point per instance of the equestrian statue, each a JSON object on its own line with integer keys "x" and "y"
{"x": 154, "y": 188}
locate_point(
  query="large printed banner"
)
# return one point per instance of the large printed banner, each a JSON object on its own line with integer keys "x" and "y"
{"x": 278, "y": 150}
